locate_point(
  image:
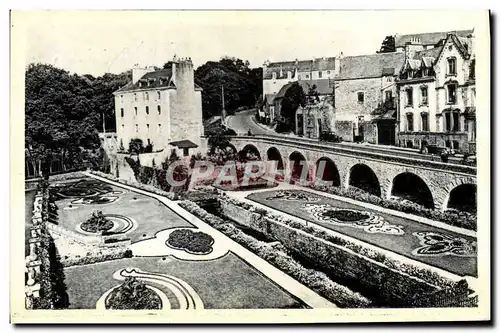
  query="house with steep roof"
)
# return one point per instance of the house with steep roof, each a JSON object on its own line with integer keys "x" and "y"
{"x": 426, "y": 40}
{"x": 365, "y": 107}
{"x": 162, "y": 108}
{"x": 436, "y": 89}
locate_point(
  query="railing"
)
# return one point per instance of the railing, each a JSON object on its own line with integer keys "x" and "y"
{"x": 362, "y": 151}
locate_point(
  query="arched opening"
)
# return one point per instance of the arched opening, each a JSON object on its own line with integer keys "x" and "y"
{"x": 327, "y": 171}
{"x": 464, "y": 198}
{"x": 298, "y": 163}
{"x": 411, "y": 187}
{"x": 249, "y": 153}
{"x": 362, "y": 177}
{"x": 274, "y": 154}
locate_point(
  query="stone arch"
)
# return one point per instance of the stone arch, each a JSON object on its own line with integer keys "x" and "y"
{"x": 409, "y": 186}
{"x": 463, "y": 197}
{"x": 363, "y": 177}
{"x": 249, "y": 153}
{"x": 297, "y": 164}
{"x": 273, "y": 154}
{"x": 444, "y": 202}
{"x": 327, "y": 171}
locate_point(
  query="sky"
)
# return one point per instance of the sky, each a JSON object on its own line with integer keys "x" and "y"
{"x": 96, "y": 42}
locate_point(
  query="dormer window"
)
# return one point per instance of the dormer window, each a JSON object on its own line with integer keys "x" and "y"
{"x": 452, "y": 66}
{"x": 410, "y": 74}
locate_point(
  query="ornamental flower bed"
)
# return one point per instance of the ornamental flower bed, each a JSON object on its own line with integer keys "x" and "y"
{"x": 276, "y": 255}
{"x": 412, "y": 270}
{"x": 190, "y": 241}
{"x": 97, "y": 223}
{"x": 451, "y": 217}
{"x": 133, "y": 295}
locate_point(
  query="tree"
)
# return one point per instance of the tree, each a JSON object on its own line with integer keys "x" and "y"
{"x": 135, "y": 146}
{"x": 293, "y": 98}
{"x": 388, "y": 45}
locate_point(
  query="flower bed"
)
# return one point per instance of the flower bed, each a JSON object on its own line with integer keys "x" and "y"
{"x": 97, "y": 223}
{"x": 133, "y": 295}
{"x": 455, "y": 218}
{"x": 346, "y": 215}
{"x": 277, "y": 256}
{"x": 190, "y": 241}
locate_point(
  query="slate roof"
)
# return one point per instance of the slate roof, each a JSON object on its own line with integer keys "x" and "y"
{"x": 370, "y": 66}
{"x": 184, "y": 144}
{"x": 322, "y": 64}
{"x": 318, "y": 64}
{"x": 156, "y": 79}
{"x": 280, "y": 68}
{"x": 428, "y": 38}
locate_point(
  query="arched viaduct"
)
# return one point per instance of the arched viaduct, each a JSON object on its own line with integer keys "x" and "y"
{"x": 432, "y": 184}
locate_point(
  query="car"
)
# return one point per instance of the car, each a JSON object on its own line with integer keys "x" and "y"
{"x": 437, "y": 150}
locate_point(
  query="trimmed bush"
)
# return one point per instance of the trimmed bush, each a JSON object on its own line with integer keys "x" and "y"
{"x": 97, "y": 223}
{"x": 191, "y": 241}
{"x": 103, "y": 254}
{"x": 133, "y": 295}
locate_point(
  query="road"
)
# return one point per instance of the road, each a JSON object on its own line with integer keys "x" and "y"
{"x": 242, "y": 121}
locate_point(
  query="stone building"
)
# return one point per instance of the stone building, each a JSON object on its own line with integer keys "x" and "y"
{"x": 162, "y": 108}
{"x": 436, "y": 89}
{"x": 365, "y": 90}
{"x": 426, "y": 40}
{"x": 277, "y": 75}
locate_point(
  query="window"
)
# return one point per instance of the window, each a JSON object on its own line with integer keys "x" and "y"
{"x": 361, "y": 97}
{"x": 452, "y": 93}
{"x": 473, "y": 97}
{"x": 146, "y": 96}
{"x": 409, "y": 97}
{"x": 121, "y": 99}
{"x": 425, "y": 122}
{"x": 158, "y": 95}
{"x": 328, "y": 72}
{"x": 135, "y": 110}
{"x": 159, "y": 128}
{"x": 447, "y": 120}
{"x": 122, "y": 112}
{"x": 423, "y": 94}
{"x": 409, "y": 122}
{"x": 472, "y": 69}
{"x": 135, "y": 97}
{"x": 388, "y": 95}
{"x": 147, "y": 109}
{"x": 136, "y": 128}
{"x": 320, "y": 74}
{"x": 456, "y": 122}
{"x": 452, "y": 66}
{"x": 185, "y": 152}
{"x": 456, "y": 145}
{"x": 159, "y": 109}
{"x": 123, "y": 128}
{"x": 388, "y": 79}
{"x": 147, "y": 128}
{"x": 307, "y": 76}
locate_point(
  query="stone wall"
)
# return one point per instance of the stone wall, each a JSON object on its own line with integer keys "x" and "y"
{"x": 391, "y": 285}
{"x": 346, "y": 98}
{"x": 370, "y": 132}
{"x": 344, "y": 128}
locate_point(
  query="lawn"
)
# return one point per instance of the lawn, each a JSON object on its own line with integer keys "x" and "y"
{"x": 403, "y": 244}
{"x": 224, "y": 283}
{"x": 150, "y": 214}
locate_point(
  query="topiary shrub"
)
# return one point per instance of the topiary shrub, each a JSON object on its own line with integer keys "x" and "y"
{"x": 190, "y": 241}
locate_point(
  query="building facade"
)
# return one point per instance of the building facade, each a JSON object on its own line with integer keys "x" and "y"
{"x": 161, "y": 107}
{"x": 436, "y": 89}
{"x": 365, "y": 92}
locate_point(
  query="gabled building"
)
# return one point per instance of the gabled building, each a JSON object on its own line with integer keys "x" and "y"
{"x": 428, "y": 40}
{"x": 162, "y": 108}
{"x": 436, "y": 90}
{"x": 365, "y": 107}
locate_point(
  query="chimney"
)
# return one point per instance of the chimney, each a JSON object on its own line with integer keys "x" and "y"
{"x": 336, "y": 63}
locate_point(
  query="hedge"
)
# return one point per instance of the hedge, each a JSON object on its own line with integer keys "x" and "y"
{"x": 95, "y": 257}
{"x": 277, "y": 256}
{"x": 455, "y": 218}
{"x": 371, "y": 253}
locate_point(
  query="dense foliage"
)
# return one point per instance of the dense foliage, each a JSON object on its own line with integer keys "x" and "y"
{"x": 294, "y": 97}
{"x": 242, "y": 85}
{"x": 388, "y": 45}
{"x": 64, "y": 114}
